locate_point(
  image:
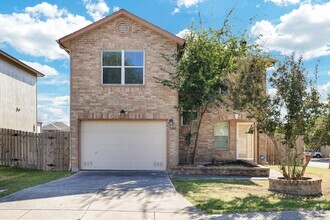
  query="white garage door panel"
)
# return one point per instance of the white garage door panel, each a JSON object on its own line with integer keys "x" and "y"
{"x": 123, "y": 145}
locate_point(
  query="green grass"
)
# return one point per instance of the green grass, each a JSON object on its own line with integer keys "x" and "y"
{"x": 233, "y": 196}
{"x": 15, "y": 179}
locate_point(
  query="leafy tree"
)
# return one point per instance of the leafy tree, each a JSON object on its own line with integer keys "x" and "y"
{"x": 202, "y": 70}
{"x": 295, "y": 110}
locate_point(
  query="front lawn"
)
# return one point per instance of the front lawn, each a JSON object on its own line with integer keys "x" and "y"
{"x": 15, "y": 179}
{"x": 232, "y": 196}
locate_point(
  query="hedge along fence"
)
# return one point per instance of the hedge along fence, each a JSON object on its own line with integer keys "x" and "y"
{"x": 48, "y": 151}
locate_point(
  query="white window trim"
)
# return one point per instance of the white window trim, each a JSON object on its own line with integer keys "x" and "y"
{"x": 250, "y": 123}
{"x": 122, "y": 67}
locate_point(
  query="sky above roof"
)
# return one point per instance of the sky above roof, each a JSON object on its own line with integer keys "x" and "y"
{"x": 29, "y": 30}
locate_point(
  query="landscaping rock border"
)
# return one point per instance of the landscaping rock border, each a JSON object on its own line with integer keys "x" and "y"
{"x": 303, "y": 187}
{"x": 258, "y": 171}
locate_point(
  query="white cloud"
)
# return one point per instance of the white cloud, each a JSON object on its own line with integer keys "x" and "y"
{"x": 175, "y": 11}
{"x": 305, "y": 30}
{"x": 283, "y": 2}
{"x": 270, "y": 69}
{"x": 271, "y": 92}
{"x": 183, "y": 33}
{"x": 324, "y": 90}
{"x": 34, "y": 30}
{"x": 115, "y": 8}
{"x": 96, "y": 10}
{"x": 188, "y": 3}
{"x": 52, "y": 108}
{"x": 45, "y": 9}
{"x": 52, "y": 76}
{"x": 61, "y": 101}
{"x": 185, "y": 3}
{"x": 59, "y": 80}
{"x": 45, "y": 69}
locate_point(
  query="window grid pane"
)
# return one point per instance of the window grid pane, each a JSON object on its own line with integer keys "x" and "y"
{"x": 221, "y": 142}
{"x": 112, "y": 58}
{"x": 111, "y": 75}
{"x": 133, "y": 58}
{"x": 133, "y": 75}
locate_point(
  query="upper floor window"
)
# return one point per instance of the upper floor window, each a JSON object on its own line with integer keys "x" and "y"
{"x": 123, "y": 67}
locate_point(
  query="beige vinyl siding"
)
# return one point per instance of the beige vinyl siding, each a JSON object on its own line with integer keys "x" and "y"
{"x": 18, "y": 99}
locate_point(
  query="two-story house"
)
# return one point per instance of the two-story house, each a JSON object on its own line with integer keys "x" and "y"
{"x": 121, "y": 118}
{"x": 18, "y": 94}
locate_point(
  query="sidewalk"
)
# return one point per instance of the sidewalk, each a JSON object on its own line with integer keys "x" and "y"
{"x": 284, "y": 215}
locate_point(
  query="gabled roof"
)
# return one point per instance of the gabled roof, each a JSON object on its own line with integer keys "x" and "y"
{"x": 96, "y": 24}
{"x": 5, "y": 56}
{"x": 57, "y": 126}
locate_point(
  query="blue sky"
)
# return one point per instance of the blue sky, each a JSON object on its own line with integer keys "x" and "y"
{"x": 29, "y": 30}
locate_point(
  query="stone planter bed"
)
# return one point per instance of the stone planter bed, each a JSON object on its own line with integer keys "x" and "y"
{"x": 222, "y": 170}
{"x": 302, "y": 187}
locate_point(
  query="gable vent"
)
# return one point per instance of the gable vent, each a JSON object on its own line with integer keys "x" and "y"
{"x": 122, "y": 28}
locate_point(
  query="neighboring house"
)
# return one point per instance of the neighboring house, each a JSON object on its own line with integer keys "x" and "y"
{"x": 325, "y": 150}
{"x": 57, "y": 126}
{"x": 121, "y": 118}
{"x": 39, "y": 126}
{"x": 18, "y": 94}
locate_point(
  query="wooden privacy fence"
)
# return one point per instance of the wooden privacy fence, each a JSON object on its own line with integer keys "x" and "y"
{"x": 48, "y": 151}
{"x": 272, "y": 155}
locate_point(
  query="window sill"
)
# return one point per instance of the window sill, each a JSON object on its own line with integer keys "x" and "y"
{"x": 221, "y": 149}
{"x": 126, "y": 85}
{"x": 188, "y": 125}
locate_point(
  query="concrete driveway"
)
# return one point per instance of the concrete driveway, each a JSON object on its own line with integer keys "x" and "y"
{"x": 101, "y": 195}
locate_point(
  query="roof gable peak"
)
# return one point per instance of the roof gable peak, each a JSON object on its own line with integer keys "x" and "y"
{"x": 112, "y": 16}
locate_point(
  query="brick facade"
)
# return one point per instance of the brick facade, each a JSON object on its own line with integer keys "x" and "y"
{"x": 90, "y": 100}
{"x": 206, "y": 152}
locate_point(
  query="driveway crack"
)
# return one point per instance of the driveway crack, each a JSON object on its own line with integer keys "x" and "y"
{"x": 24, "y": 214}
{"x": 98, "y": 191}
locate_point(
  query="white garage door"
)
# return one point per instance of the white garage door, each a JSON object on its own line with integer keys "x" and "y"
{"x": 123, "y": 145}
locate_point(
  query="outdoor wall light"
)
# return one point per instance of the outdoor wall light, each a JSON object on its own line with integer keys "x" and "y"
{"x": 236, "y": 115}
{"x": 122, "y": 111}
{"x": 170, "y": 122}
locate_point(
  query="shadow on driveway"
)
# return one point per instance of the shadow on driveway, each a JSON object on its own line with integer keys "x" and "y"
{"x": 103, "y": 194}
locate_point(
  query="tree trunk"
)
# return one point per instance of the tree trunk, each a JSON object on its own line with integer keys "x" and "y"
{"x": 314, "y": 149}
{"x": 187, "y": 155}
{"x": 197, "y": 134}
{"x": 188, "y": 146}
